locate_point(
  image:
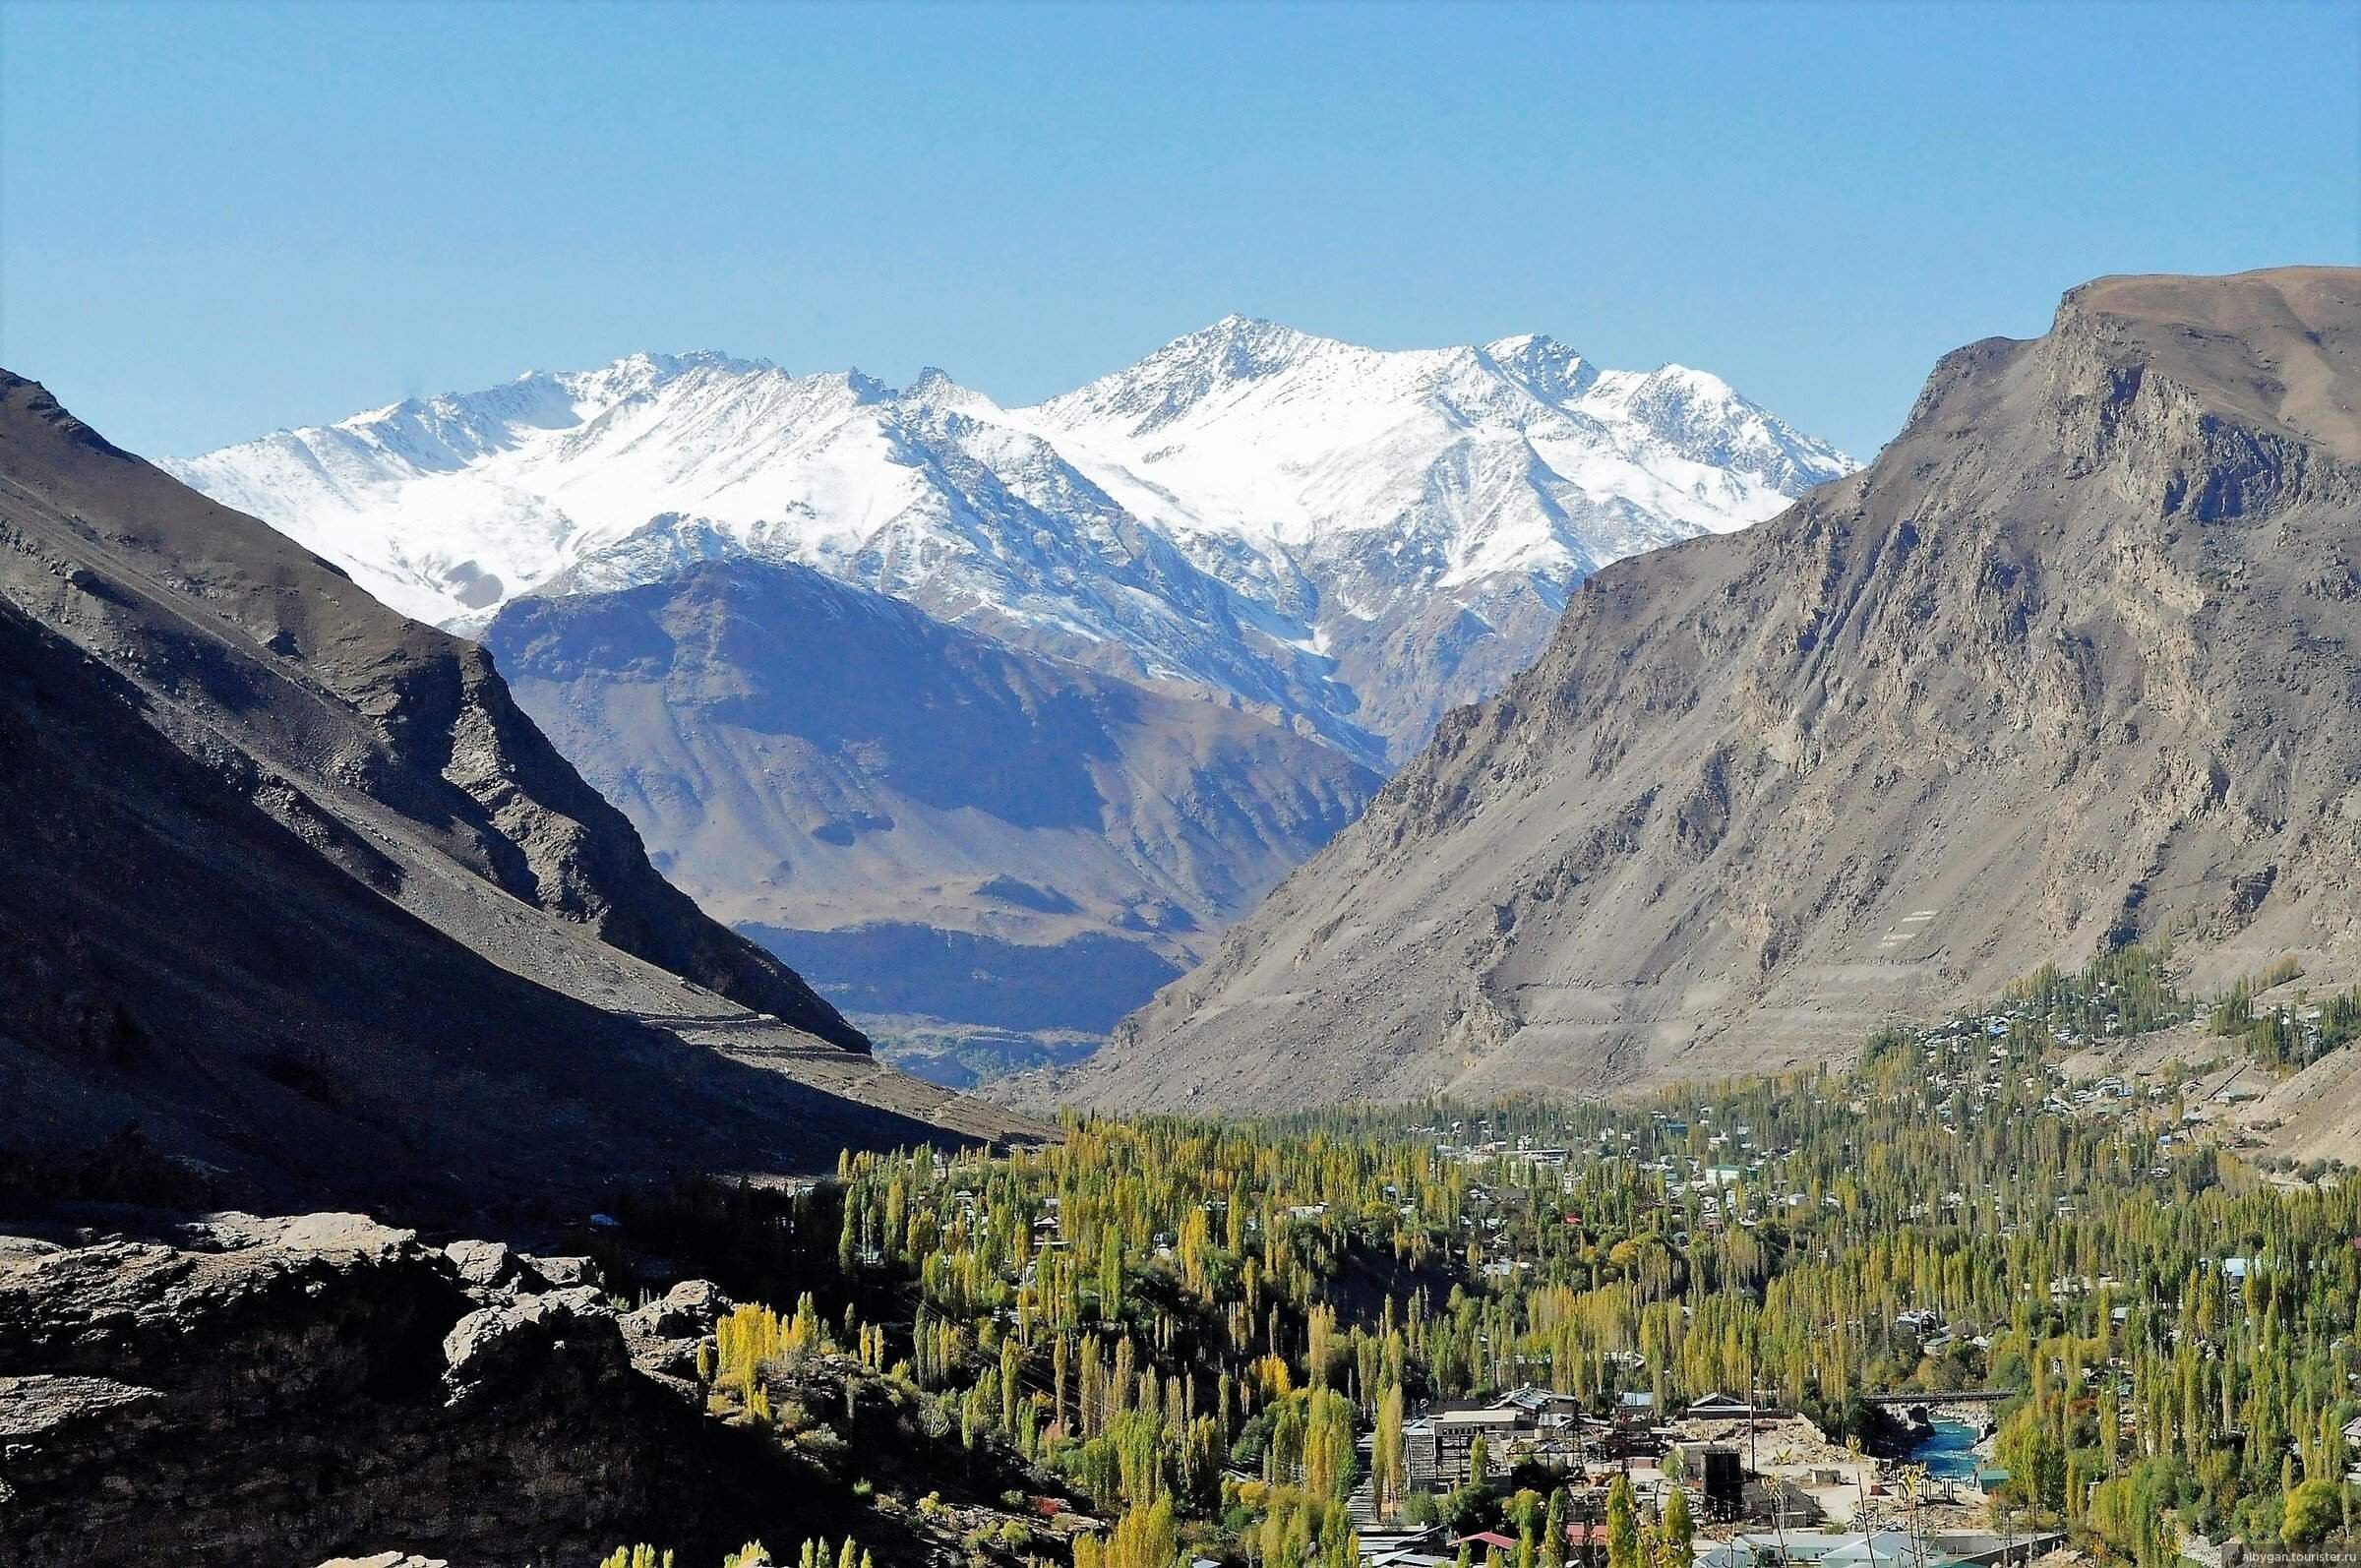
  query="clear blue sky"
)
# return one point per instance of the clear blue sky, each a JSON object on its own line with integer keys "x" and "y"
{"x": 218, "y": 219}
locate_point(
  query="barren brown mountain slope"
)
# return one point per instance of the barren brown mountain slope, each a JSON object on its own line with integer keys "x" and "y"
{"x": 288, "y": 885}
{"x": 922, "y": 819}
{"x": 2077, "y": 660}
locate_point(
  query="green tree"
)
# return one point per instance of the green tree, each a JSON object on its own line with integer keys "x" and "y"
{"x": 2314, "y": 1509}
{"x": 1679, "y": 1530}
{"x": 1385, "y": 1451}
{"x": 1622, "y": 1525}
{"x": 1554, "y": 1531}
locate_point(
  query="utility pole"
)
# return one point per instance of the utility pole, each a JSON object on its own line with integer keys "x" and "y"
{"x": 1754, "y": 1382}
{"x": 1913, "y": 1491}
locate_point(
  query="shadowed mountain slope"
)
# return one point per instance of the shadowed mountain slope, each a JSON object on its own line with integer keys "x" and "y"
{"x": 2077, "y": 660}
{"x": 293, "y": 887}
{"x": 929, "y": 823}
{"x": 243, "y": 632}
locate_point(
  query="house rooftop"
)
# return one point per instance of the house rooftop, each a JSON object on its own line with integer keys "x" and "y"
{"x": 1477, "y": 1417}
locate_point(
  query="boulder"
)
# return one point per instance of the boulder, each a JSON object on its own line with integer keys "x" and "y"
{"x": 496, "y": 1349}
{"x": 563, "y": 1273}
{"x": 664, "y": 1334}
{"x": 485, "y": 1265}
{"x": 686, "y": 1311}
{"x": 348, "y": 1235}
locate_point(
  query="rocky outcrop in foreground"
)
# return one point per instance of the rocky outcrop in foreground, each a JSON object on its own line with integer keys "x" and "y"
{"x": 238, "y": 1390}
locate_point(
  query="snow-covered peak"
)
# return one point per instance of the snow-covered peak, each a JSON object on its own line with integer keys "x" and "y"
{"x": 1205, "y": 367}
{"x": 1296, "y": 523}
{"x": 1669, "y": 388}
{"x": 637, "y": 375}
{"x": 453, "y": 428}
{"x": 1478, "y": 460}
{"x": 934, "y": 389}
{"x": 1239, "y": 349}
{"x": 1704, "y": 419}
{"x": 1542, "y": 366}
{"x": 1232, "y": 349}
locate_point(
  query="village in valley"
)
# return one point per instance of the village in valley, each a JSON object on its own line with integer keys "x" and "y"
{"x": 1764, "y": 1483}
{"x": 1995, "y": 1294}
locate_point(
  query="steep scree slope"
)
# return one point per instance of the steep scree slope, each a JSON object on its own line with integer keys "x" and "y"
{"x": 2078, "y": 660}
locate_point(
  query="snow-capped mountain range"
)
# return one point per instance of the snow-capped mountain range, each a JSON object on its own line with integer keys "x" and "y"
{"x": 1346, "y": 540}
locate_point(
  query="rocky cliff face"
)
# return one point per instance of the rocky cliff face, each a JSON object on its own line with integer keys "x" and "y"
{"x": 237, "y": 1390}
{"x": 2077, "y": 661}
{"x": 297, "y": 907}
{"x": 248, "y": 644}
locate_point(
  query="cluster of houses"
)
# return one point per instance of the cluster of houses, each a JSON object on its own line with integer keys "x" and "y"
{"x": 1433, "y": 1547}
{"x": 1733, "y": 1183}
{"x": 1778, "y": 1518}
{"x": 1536, "y": 1427}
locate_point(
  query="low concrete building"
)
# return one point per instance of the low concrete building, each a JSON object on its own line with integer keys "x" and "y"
{"x": 1456, "y": 1431}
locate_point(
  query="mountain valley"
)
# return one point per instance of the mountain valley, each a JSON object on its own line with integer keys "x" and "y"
{"x": 1259, "y": 948}
{"x": 1265, "y": 564}
{"x": 987, "y": 857}
{"x": 1845, "y": 932}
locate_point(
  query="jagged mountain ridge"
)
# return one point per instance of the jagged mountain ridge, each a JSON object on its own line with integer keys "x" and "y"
{"x": 2077, "y": 660}
{"x": 921, "y": 818}
{"x": 1342, "y": 540}
{"x": 293, "y": 888}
